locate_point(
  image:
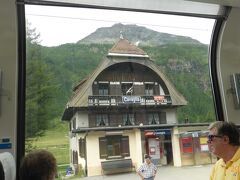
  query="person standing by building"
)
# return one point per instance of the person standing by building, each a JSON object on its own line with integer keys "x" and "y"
{"x": 223, "y": 141}
{"x": 147, "y": 171}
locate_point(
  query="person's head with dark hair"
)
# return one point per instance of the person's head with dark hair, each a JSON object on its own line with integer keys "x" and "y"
{"x": 38, "y": 165}
{"x": 147, "y": 159}
{"x": 223, "y": 139}
{"x": 2, "y": 176}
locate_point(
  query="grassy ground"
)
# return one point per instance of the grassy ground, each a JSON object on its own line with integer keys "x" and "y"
{"x": 56, "y": 141}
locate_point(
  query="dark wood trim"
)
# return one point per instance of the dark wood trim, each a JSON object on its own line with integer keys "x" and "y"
{"x": 213, "y": 68}
{"x": 21, "y": 84}
{"x": 142, "y": 127}
{"x": 64, "y": 4}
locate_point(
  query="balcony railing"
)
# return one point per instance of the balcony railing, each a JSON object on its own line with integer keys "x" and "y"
{"x": 127, "y": 100}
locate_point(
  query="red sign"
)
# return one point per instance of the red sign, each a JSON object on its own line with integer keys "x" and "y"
{"x": 149, "y": 133}
{"x": 186, "y": 144}
{"x": 159, "y": 98}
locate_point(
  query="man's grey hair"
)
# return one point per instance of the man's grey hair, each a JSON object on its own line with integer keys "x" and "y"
{"x": 227, "y": 129}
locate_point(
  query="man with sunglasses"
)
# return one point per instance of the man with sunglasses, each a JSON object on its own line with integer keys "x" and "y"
{"x": 223, "y": 141}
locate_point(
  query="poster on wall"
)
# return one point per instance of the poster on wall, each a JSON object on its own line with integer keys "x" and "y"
{"x": 204, "y": 147}
{"x": 153, "y": 147}
{"x": 203, "y": 140}
{"x": 187, "y": 145}
{"x": 203, "y": 144}
{"x": 152, "y": 150}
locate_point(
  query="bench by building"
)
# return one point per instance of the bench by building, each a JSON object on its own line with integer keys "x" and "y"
{"x": 117, "y": 166}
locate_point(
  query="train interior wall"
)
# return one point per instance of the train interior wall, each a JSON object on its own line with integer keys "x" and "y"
{"x": 8, "y": 75}
{"x": 228, "y": 62}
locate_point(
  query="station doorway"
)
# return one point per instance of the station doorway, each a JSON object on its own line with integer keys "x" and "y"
{"x": 158, "y": 145}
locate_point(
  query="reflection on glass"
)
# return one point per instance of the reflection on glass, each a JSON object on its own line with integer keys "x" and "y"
{"x": 129, "y": 87}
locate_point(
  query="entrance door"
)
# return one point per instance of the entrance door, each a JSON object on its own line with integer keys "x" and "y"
{"x": 168, "y": 149}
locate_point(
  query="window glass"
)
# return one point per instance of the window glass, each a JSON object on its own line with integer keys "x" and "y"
{"x": 149, "y": 89}
{"x": 163, "y": 118}
{"x": 114, "y": 146}
{"x": 102, "y": 119}
{"x": 108, "y": 86}
{"x": 103, "y": 89}
{"x": 128, "y": 119}
{"x": 153, "y": 118}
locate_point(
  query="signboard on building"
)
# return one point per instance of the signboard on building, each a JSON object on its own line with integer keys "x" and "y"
{"x": 159, "y": 99}
{"x": 157, "y": 132}
{"x": 131, "y": 99}
{"x": 187, "y": 144}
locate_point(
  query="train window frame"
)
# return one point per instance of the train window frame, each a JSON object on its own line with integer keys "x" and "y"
{"x": 22, "y": 61}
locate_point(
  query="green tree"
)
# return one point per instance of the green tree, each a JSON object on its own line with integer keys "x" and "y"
{"x": 41, "y": 88}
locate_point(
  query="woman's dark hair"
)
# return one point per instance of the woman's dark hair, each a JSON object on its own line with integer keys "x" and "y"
{"x": 38, "y": 165}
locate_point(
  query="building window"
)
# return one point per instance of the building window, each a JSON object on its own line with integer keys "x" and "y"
{"x": 127, "y": 88}
{"x": 102, "y": 120}
{"x": 82, "y": 147}
{"x": 114, "y": 147}
{"x": 103, "y": 89}
{"x": 75, "y": 157}
{"x": 74, "y": 123}
{"x": 163, "y": 118}
{"x": 128, "y": 119}
{"x": 153, "y": 118}
{"x": 149, "y": 89}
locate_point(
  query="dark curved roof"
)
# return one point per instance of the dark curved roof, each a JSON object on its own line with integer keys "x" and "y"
{"x": 81, "y": 97}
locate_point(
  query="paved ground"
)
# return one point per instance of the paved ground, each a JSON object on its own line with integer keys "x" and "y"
{"x": 164, "y": 173}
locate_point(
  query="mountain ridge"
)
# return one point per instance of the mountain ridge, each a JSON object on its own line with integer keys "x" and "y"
{"x": 138, "y": 35}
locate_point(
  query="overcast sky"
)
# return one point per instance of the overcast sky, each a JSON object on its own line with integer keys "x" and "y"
{"x": 60, "y": 25}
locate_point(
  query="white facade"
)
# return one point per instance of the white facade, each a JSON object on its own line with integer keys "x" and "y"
{"x": 171, "y": 116}
{"x": 92, "y": 148}
{"x": 82, "y": 119}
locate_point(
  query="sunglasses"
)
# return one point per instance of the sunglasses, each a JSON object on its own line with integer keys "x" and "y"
{"x": 210, "y": 137}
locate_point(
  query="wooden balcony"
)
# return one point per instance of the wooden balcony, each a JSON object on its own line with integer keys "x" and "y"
{"x": 129, "y": 100}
